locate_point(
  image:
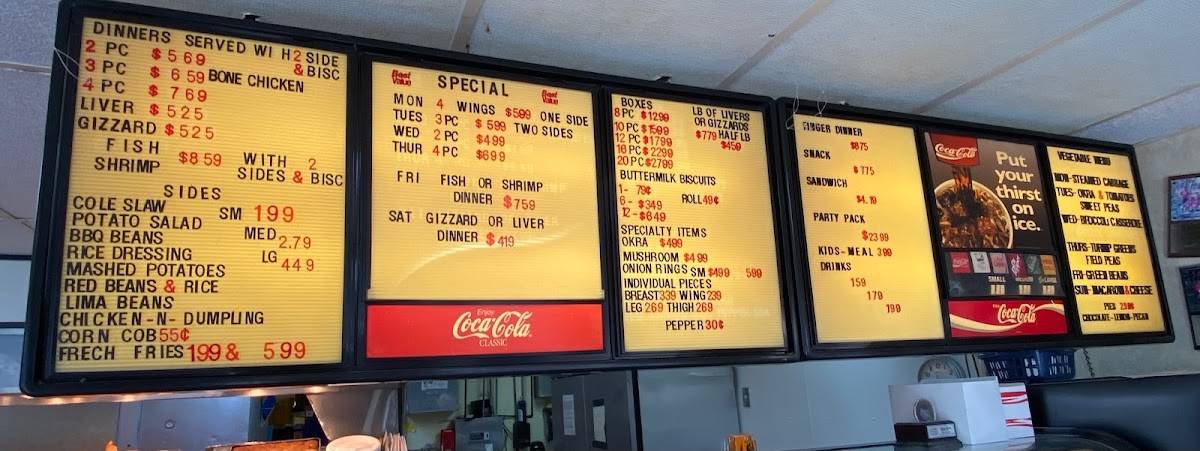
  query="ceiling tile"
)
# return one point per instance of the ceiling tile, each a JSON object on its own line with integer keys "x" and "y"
{"x": 22, "y": 138}
{"x": 429, "y": 23}
{"x": 1162, "y": 118}
{"x": 27, "y": 30}
{"x": 15, "y": 238}
{"x": 1145, "y": 53}
{"x": 696, "y": 44}
{"x": 899, "y": 55}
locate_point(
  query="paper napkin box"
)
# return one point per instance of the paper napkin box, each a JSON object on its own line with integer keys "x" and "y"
{"x": 972, "y": 404}
{"x": 1015, "y": 400}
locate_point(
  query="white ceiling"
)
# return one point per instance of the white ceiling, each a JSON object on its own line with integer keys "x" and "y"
{"x": 1120, "y": 70}
{"x": 901, "y": 55}
{"x": 694, "y": 44}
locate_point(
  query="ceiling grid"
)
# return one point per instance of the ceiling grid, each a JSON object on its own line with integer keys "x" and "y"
{"x": 1145, "y": 53}
{"x": 466, "y": 24}
{"x": 22, "y": 67}
{"x": 776, "y": 40}
{"x": 1159, "y": 100}
{"x": 1025, "y": 57}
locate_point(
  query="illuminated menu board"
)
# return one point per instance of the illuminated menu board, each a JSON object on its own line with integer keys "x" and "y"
{"x": 1109, "y": 254}
{"x": 1000, "y": 262}
{"x": 205, "y": 208}
{"x": 483, "y": 189}
{"x": 869, "y": 250}
{"x": 696, "y": 237}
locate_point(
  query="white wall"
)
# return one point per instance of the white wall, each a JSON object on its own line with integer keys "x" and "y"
{"x": 1172, "y": 156}
{"x": 822, "y": 404}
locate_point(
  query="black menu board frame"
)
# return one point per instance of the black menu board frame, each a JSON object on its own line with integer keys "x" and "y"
{"x": 785, "y": 353}
{"x": 1123, "y": 150}
{"x": 37, "y": 377}
{"x": 467, "y": 363}
{"x": 606, "y": 85}
{"x": 813, "y": 349}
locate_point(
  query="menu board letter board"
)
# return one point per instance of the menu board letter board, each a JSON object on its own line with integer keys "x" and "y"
{"x": 1000, "y": 262}
{"x": 869, "y": 252}
{"x": 697, "y": 237}
{"x": 1116, "y": 290}
{"x": 485, "y": 234}
{"x": 205, "y": 207}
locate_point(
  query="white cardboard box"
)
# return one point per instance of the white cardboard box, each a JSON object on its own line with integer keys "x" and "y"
{"x": 972, "y": 404}
{"x": 1015, "y": 400}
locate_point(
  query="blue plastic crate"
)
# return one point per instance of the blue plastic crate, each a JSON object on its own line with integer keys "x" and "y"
{"x": 1031, "y": 366}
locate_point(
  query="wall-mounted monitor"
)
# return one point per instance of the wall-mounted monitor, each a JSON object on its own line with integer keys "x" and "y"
{"x": 1183, "y": 229}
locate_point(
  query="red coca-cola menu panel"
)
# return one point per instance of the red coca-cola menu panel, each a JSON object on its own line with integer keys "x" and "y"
{"x": 397, "y": 331}
{"x": 1003, "y": 318}
{"x": 1002, "y": 267}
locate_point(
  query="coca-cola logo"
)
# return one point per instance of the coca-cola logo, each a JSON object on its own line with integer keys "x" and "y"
{"x": 947, "y": 153}
{"x": 486, "y": 323}
{"x": 960, "y": 262}
{"x": 971, "y": 318}
{"x": 1022, "y": 314}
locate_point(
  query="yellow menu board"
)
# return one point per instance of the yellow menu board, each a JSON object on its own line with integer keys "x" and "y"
{"x": 205, "y": 208}
{"x": 482, "y": 189}
{"x": 1109, "y": 254}
{"x": 697, "y": 241}
{"x": 869, "y": 250}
